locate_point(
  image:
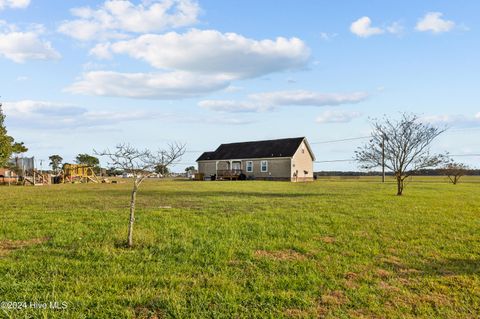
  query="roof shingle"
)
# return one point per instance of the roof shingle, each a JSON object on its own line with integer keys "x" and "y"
{"x": 257, "y": 149}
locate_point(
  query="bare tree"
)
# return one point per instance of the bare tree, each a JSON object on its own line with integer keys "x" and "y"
{"x": 455, "y": 171}
{"x": 141, "y": 164}
{"x": 406, "y": 146}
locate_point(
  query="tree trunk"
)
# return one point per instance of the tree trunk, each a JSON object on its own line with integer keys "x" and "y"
{"x": 132, "y": 214}
{"x": 399, "y": 185}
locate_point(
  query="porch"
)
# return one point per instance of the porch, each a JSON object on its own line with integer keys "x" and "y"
{"x": 229, "y": 170}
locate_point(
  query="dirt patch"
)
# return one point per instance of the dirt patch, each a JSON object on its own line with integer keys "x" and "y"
{"x": 392, "y": 251}
{"x": 326, "y": 239}
{"x": 361, "y": 233}
{"x": 351, "y": 276}
{"x": 393, "y": 262}
{"x": 436, "y": 300}
{"x": 432, "y": 300}
{"x": 387, "y": 287}
{"x": 7, "y": 246}
{"x": 382, "y": 273}
{"x": 318, "y": 312}
{"x": 287, "y": 254}
{"x": 334, "y": 298}
{"x": 321, "y": 311}
{"x": 351, "y": 280}
{"x": 296, "y": 313}
{"x": 409, "y": 271}
{"x": 234, "y": 262}
{"x": 145, "y": 313}
{"x": 363, "y": 314}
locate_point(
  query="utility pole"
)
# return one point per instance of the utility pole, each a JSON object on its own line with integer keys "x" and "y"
{"x": 383, "y": 158}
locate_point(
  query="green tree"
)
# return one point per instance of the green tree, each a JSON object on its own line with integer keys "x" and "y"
{"x": 19, "y": 148}
{"x": 89, "y": 160}
{"x": 190, "y": 169}
{"x": 55, "y": 162}
{"x": 113, "y": 171}
{"x": 8, "y": 146}
{"x": 162, "y": 169}
{"x": 5, "y": 141}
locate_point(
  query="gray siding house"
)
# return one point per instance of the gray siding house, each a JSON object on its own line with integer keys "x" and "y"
{"x": 289, "y": 159}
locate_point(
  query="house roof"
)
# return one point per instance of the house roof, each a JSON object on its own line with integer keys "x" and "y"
{"x": 257, "y": 149}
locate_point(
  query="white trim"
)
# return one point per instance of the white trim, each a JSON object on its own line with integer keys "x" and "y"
{"x": 309, "y": 149}
{"x": 261, "y": 166}
{"x": 247, "y": 166}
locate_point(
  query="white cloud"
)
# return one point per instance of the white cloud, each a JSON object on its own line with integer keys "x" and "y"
{"x": 170, "y": 85}
{"x": 117, "y": 18}
{"x": 302, "y": 97}
{"x": 395, "y": 28}
{"x": 327, "y": 36}
{"x": 234, "y": 89}
{"x": 433, "y": 22}
{"x": 209, "y": 120}
{"x": 268, "y": 101}
{"x": 337, "y": 116}
{"x": 212, "y": 52}
{"x": 32, "y": 108}
{"x": 20, "y": 4}
{"x": 20, "y": 46}
{"x": 101, "y": 51}
{"x": 188, "y": 66}
{"x": 46, "y": 115}
{"x": 232, "y": 106}
{"x": 53, "y": 115}
{"x": 455, "y": 120}
{"x": 363, "y": 28}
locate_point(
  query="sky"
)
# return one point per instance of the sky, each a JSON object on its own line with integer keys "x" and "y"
{"x": 83, "y": 75}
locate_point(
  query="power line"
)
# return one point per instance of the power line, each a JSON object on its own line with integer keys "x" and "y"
{"x": 342, "y": 140}
{"x": 354, "y": 160}
{"x": 334, "y": 161}
{"x": 360, "y": 138}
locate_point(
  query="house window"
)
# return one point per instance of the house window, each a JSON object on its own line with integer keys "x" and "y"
{"x": 264, "y": 166}
{"x": 249, "y": 167}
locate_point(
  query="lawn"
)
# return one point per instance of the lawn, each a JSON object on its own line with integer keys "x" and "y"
{"x": 335, "y": 248}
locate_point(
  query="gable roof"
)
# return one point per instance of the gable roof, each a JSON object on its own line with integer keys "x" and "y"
{"x": 285, "y": 147}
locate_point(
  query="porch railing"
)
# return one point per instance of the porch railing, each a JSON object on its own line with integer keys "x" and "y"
{"x": 229, "y": 173}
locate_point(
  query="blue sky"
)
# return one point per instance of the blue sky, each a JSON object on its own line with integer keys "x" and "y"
{"x": 79, "y": 75}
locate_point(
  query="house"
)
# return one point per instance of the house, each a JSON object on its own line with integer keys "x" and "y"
{"x": 8, "y": 175}
{"x": 289, "y": 159}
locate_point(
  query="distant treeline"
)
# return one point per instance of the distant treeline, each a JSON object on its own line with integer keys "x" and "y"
{"x": 423, "y": 172}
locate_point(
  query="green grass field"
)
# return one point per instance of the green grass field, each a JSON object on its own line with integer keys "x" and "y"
{"x": 335, "y": 248}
